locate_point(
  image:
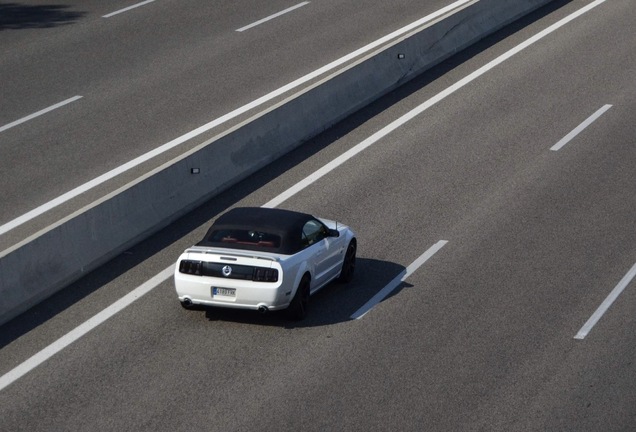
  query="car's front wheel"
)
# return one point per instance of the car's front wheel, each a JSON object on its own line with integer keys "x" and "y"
{"x": 297, "y": 309}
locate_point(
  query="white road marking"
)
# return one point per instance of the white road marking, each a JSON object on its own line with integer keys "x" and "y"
{"x": 39, "y": 113}
{"x": 148, "y": 286}
{"x": 206, "y": 127}
{"x": 569, "y": 137}
{"x": 423, "y": 107}
{"x": 127, "y": 9}
{"x": 271, "y": 17}
{"x": 82, "y": 329}
{"x": 587, "y": 327}
{"x": 384, "y": 292}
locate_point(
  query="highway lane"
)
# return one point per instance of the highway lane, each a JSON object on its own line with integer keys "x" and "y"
{"x": 481, "y": 337}
{"x": 149, "y": 76}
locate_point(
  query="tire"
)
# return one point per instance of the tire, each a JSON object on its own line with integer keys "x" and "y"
{"x": 349, "y": 263}
{"x": 297, "y": 309}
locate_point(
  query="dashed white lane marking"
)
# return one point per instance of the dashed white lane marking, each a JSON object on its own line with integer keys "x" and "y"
{"x": 569, "y": 137}
{"x": 384, "y": 292}
{"x": 127, "y": 8}
{"x": 271, "y": 17}
{"x": 596, "y": 316}
{"x": 39, "y": 113}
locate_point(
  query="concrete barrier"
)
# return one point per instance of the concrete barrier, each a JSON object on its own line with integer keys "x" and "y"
{"x": 48, "y": 261}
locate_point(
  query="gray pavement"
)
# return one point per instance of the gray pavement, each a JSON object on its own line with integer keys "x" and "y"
{"x": 146, "y": 77}
{"x": 481, "y": 337}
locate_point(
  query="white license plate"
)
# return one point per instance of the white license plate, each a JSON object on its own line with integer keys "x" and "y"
{"x": 226, "y": 292}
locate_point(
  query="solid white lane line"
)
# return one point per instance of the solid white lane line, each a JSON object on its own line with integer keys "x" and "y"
{"x": 587, "y": 327}
{"x": 127, "y": 9}
{"x": 426, "y": 105}
{"x": 384, "y": 292}
{"x": 82, "y": 329}
{"x": 271, "y": 17}
{"x": 166, "y": 273}
{"x": 206, "y": 127}
{"x": 569, "y": 137}
{"x": 39, "y": 113}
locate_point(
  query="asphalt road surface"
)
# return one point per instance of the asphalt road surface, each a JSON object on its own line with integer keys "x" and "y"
{"x": 115, "y": 87}
{"x": 519, "y": 167}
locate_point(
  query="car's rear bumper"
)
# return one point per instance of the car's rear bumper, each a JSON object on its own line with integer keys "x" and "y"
{"x": 200, "y": 291}
{"x": 248, "y": 306}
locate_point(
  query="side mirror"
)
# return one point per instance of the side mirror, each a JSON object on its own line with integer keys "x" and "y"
{"x": 334, "y": 233}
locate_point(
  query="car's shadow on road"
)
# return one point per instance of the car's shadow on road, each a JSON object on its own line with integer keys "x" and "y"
{"x": 335, "y": 303}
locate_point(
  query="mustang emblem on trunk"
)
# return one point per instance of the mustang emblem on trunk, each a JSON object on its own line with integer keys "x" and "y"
{"x": 227, "y": 271}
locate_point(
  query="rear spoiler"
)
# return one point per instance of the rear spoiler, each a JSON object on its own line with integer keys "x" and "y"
{"x": 230, "y": 255}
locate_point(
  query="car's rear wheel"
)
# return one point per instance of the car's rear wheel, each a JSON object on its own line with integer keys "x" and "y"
{"x": 349, "y": 263}
{"x": 297, "y": 309}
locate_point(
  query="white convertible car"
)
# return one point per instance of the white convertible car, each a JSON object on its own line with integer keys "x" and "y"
{"x": 265, "y": 259}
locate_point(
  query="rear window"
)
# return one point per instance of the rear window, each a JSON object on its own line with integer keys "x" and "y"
{"x": 242, "y": 238}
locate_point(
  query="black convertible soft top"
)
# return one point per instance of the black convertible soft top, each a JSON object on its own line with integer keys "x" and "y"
{"x": 282, "y": 229}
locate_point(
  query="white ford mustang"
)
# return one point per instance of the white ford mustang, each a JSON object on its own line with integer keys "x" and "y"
{"x": 265, "y": 259}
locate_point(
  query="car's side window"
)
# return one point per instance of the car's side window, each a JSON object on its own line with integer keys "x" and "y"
{"x": 313, "y": 232}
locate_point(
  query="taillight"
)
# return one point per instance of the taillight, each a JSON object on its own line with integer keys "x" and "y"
{"x": 265, "y": 275}
{"x": 190, "y": 267}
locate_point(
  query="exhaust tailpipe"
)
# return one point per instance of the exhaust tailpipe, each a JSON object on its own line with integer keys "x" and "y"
{"x": 263, "y": 309}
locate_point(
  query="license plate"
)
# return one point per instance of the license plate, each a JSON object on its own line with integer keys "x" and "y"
{"x": 226, "y": 292}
